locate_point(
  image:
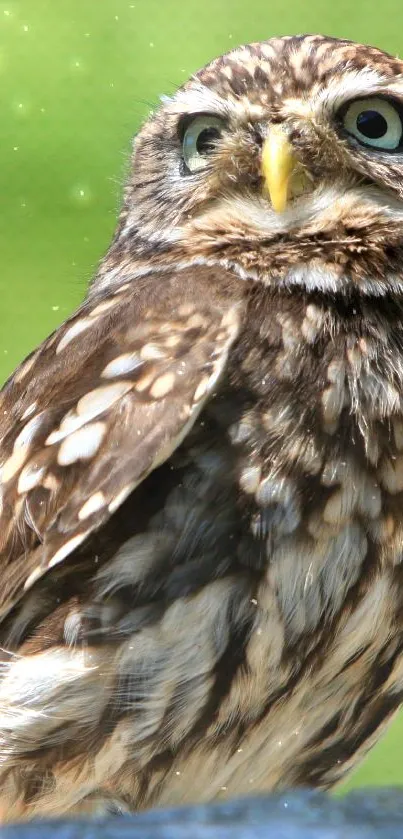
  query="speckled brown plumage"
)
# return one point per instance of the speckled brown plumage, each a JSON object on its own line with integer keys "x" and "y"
{"x": 202, "y": 469}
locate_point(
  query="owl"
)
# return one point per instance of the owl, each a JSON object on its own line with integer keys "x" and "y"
{"x": 202, "y": 468}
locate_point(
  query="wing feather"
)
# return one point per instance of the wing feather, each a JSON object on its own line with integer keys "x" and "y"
{"x": 103, "y": 402}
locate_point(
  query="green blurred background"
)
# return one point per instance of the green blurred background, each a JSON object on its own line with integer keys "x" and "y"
{"x": 76, "y": 79}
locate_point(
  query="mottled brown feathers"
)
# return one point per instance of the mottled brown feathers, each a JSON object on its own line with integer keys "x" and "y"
{"x": 201, "y": 524}
{"x": 139, "y": 374}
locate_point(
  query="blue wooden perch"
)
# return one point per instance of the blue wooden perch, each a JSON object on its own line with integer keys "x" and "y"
{"x": 363, "y": 814}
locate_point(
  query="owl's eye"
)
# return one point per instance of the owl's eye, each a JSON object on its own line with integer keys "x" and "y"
{"x": 199, "y": 141}
{"x": 374, "y": 122}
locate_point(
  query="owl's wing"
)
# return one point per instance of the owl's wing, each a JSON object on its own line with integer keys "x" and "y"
{"x": 103, "y": 402}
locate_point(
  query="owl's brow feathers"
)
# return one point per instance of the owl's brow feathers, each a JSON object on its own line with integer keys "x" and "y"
{"x": 198, "y": 97}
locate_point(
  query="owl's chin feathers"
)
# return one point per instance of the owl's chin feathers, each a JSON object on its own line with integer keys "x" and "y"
{"x": 320, "y": 210}
{"x": 341, "y": 238}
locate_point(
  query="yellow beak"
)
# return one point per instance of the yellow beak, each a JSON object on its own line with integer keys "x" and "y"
{"x": 278, "y": 165}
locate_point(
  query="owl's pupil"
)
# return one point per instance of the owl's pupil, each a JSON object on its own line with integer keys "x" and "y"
{"x": 206, "y": 140}
{"x": 372, "y": 124}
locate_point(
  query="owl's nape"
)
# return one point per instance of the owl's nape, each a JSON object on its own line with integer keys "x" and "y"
{"x": 202, "y": 468}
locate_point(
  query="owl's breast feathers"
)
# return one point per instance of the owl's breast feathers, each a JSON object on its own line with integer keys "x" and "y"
{"x": 201, "y": 508}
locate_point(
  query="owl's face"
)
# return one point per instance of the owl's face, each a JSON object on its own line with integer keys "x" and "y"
{"x": 277, "y": 143}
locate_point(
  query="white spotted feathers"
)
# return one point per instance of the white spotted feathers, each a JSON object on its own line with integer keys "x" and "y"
{"x": 104, "y": 401}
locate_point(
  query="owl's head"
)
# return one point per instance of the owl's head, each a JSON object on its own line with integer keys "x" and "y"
{"x": 278, "y": 156}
